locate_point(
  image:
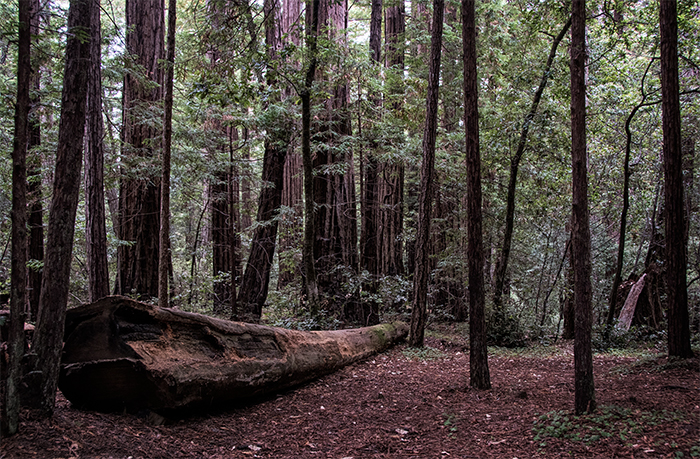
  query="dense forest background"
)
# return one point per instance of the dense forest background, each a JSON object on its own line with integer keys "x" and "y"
{"x": 240, "y": 75}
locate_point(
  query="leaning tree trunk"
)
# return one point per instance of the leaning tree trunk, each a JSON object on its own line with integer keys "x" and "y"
{"x": 59, "y": 242}
{"x": 121, "y": 354}
{"x": 420, "y": 280}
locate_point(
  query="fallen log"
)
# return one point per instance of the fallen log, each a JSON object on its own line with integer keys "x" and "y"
{"x": 122, "y": 354}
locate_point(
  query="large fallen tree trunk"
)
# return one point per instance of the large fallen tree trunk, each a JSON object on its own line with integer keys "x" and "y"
{"x": 122, "y": 354}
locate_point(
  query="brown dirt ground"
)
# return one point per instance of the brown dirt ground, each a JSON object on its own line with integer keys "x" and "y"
{"x": 395, "y": 405}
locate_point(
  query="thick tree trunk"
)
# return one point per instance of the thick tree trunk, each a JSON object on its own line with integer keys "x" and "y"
{"x": 121, "y": 354}
{"x": 479, "y": 377}
{"x": 95, "y": 225}
{"x": 674, "y": 218}
{"x": 11, "y": 376}
{"x": 580, "y": 234}
{"x": 422, "y": 274}
{"x": 139, "y": 194}
{"x": 59, "y": 244}
{"x": 502, "y": 263}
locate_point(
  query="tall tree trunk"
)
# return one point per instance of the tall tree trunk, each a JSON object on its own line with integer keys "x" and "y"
{"x": 391, "y": 174}
{"x": 36, "y": 207}
{"x": 369, "y": 236}
{"x": 335, "y": 246}
{"x": 502, "y": 262}
{"x": 580, "y": 234}
{"x": 310, "y": 280}
{"x": 420, "y": 280}
{"x": 48, "y": 336}
{"x": 674, "y": 218}
{"x": 139, "y": 194}
{"x": 9, "y": 414}
{"x": 95, "y": 226}
{"x": 256, "y": 279}
{"x": 478, "y": 355}
{"x": 164, "y": 234}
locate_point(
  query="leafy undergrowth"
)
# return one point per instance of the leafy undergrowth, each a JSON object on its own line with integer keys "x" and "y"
{"x": 413, "y": 403}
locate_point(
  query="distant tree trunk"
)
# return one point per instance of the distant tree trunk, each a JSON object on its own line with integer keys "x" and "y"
{"x": 369, "y": 236}
{"x": 391, "y": 174}
{"x": 164, "y": 234}
{"x": 95, "y": 227}
{"x": 674, "y": 218}
{"x": 478, "y": 355}
{"x": 420, "y": 280}
{"x": 335, "y": 246}
{"x": 617, "y": 280}
{"x": 580, "y": 234}
{"x": 502, "y": 262}
{"x": 11, "y": 376}
{"x": 310, "y": 281}
{"x": 254, "y": 285}
{"x": 219, "y": 192}
{"x": 36, "y": 211}
{"x": 139, "y": 194}
{"x": 48, "y": 336}
{"x": 291, "y": 231}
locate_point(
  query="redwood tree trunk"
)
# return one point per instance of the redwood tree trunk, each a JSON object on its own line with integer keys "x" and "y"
{"x": 139, "y": 194}
{"x": 9, "y": 413}
{"x": 674, "y": 218}
{"x": 479, "y": 377}
{"x": 580, "y": 234}
{"x": 95, "y": 226}
{"x": 48, "y": 336}
{"x": 420, "y": 280}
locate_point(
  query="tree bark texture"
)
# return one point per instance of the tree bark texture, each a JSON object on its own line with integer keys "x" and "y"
{"x": 95, "y": 224}
{"x": 502, "y": 263}
{"x": 10, "y": 404}
{"x": 139, "y": 194}
{"x": 580, "y": 234}
{"x": 422, "y": 274}
{"x": 674, "y": 217}
{"x": 479, "y": 377}
{"x": 48, "y": 336}
{"x": 122, "y": 354}
{"x": 164, "y": 233}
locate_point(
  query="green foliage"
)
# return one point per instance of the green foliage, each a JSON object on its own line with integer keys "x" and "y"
{"x": 608, "y": 421}
{"x": 504, "y": 328}
{"x": 635, "y": 337}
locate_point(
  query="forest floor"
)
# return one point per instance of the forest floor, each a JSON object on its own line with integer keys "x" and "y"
{"x": 408, "y": 403}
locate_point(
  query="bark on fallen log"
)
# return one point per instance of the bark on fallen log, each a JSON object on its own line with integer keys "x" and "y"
{"x": 122, "y": 354}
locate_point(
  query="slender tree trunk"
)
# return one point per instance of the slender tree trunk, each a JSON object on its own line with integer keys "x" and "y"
{"x": 95, "y": 227}
{"x": 369, "y": 236}
{"x": 420, "y": 280}
{"x": 478, "y": 355}
{"x": 502, "y": 263}
{"x": 674, "y": 218}
{"x": 9, "y": 415}
{"x": 580, "y": 234}
{"x": 48, "y": 336}
{"x": 36, "y": 208}
{"x": 139, "y": 194}
{"x": 164, "y": 235}
{"x": 310, "y": 282}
